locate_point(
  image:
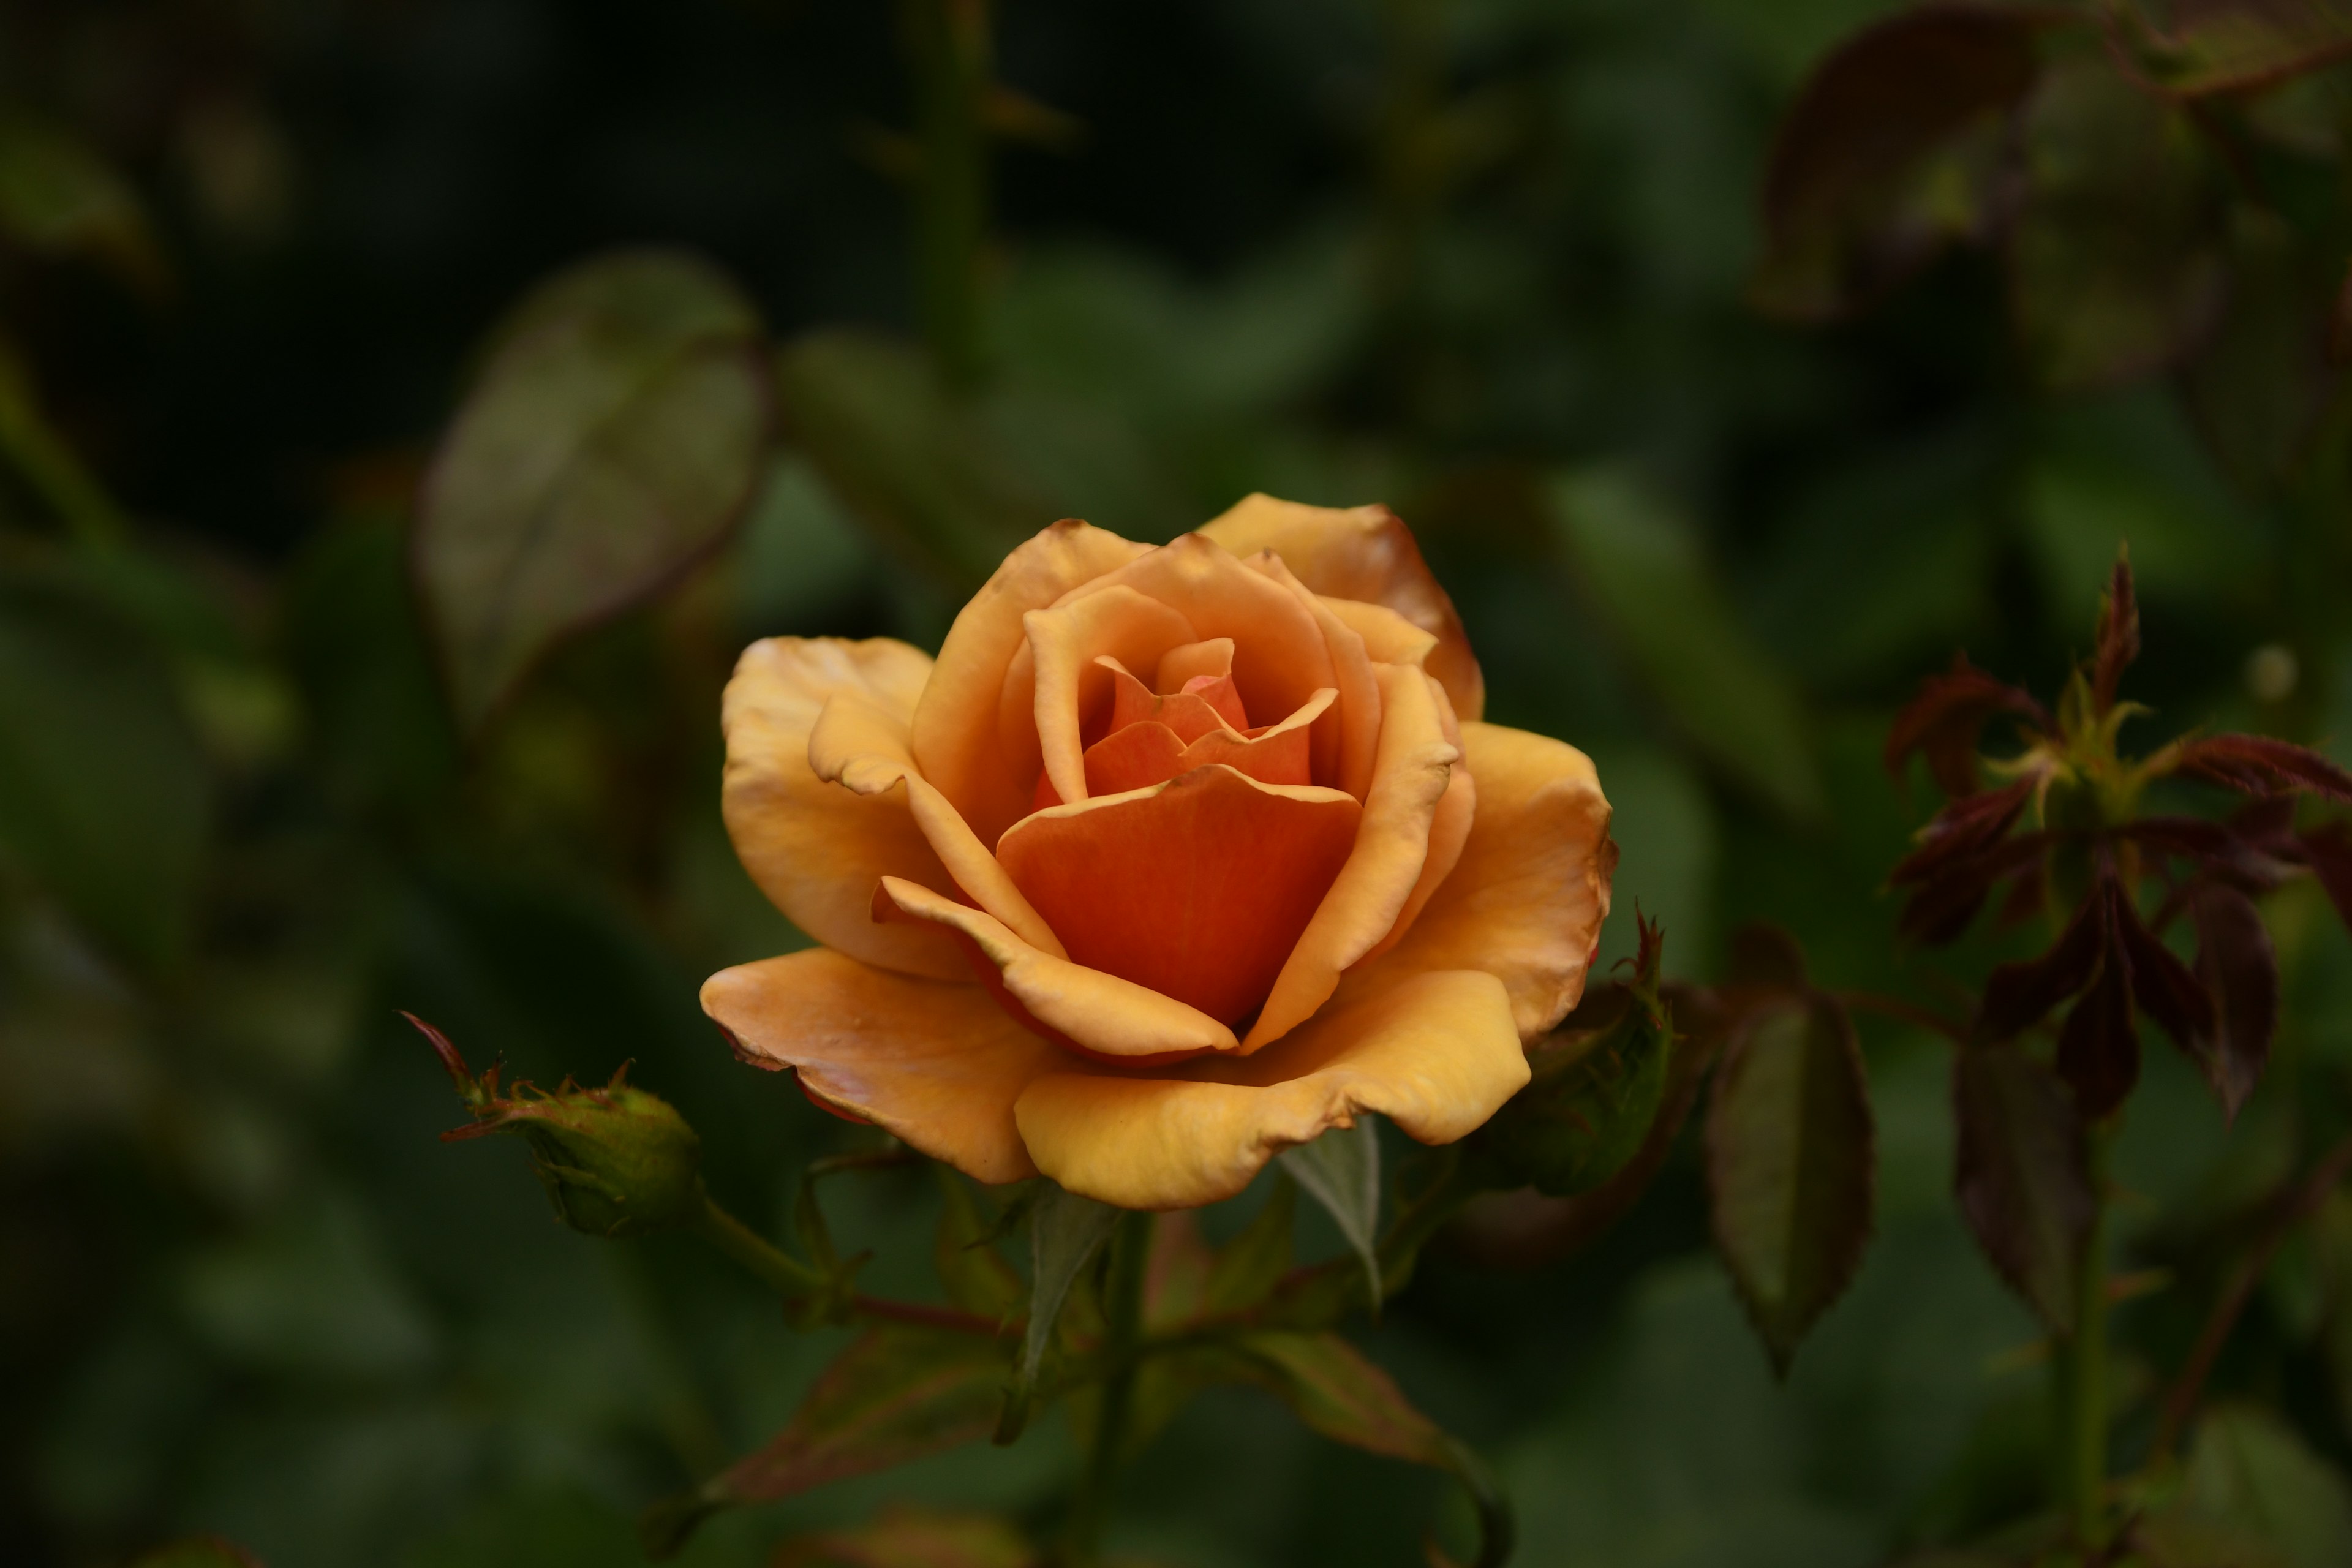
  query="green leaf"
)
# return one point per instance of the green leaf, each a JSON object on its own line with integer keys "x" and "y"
{"x": 1791, "y": 1166}
{"x": 1332, "y": 1388}
{"x": 2225, "y": 46}
{"x": 1597, "y": 1087}
{"x": 2250, "y": 1469}
{"x": 1895, "y": 147}
{"x": 1066, "y": 1231}
{"x": 103, "y": 796}
{"x": 915, "y": 464}
{"x": 207, "y": 1551}
{"x": 1249, "y": 1266}
{"x": 912, "y": 1537}
{"x": 58, "y": 198}
{"x": 2024, "y": 1181}
{"x": 619, "y": 427}
{"x": 974, "y": 1273}
{"x": 2115, "y": 261}
{"x": 1341, "y": 1170}
{"x": 1646, "y": 572}
{"x": 897, "y": 1393}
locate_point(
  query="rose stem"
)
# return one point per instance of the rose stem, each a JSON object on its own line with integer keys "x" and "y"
{"x": 1131, "y": 1251}
{"x": 782, "y": 1273}
{"x": 2083, "y": 1368}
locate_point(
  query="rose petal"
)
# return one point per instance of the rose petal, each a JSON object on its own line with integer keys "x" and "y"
{"x": 1389, "y": 637}
{"x": 1526, "y": 900}
{"x": 1094, "y": 1011}
{"x": 938, "y": 1065}
{"x": 1149, "y": 752}
{"x": 1436, "y": 1055}
{"x": 1195, "y": 888}
{"x": 1059, "y": 679}
{"x": 814, "y": 848}
{"x": 954, "y": 730}
{"x": 1189, "y": 662}
{"x": 1280, "y": 658}
{"x": 1413, "y": 770}
{"x": 1210, "y": 703}
{"x": 1358, "y": 737}
{"x": 1361, "y": 552}
{"x": 858, "y": 745}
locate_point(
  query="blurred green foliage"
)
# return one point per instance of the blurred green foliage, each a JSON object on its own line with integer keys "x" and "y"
{"x": 1489, "y": 261}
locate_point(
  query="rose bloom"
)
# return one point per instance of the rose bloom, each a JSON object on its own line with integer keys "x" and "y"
{"x": 1173, "y": 859}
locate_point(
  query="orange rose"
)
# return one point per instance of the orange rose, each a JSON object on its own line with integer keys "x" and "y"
{"x": 1173, "y": 859}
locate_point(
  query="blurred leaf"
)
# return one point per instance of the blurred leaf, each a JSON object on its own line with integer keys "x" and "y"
{"x": 208, "y": 1551}
{"x": 1598, "y": 1084}
{"x": 46, "y": 461}
{"x": 534, "y": 1529}
{"x": 2249, "y": 1469}
{"x": 802, "y": 554}
{"x": 1066, "y": 1231}
{"x": 314, "y": 1296}
{"x": 2193, "y": 48}
{"x": 2023, "y": 1181}
{"x": 1792, "y": 1167}
{"x": 913, "y": 462}
{"x": 1643, "y": 570}
{"x": 912, "y": 1537}
{"x": 1897, "y": 145}
{"x": 2114, "y": 262}
{"x": 1252, "y": 1264}
{"x": 973, "y": 1272}
{"x": 59, "y": 199}
{"x": 1332, "y": 1388}
{"x": 897, "y": 1393}
{"x": 617, "y": 431}
{"x": 103, "y": 786}
{"x": 2259, "y": 386}
{"x": 1341, "y": 1170}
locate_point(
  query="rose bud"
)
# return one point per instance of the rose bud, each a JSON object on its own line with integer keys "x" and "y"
{"x": 1174, "y": 857}
{"x": 616, "y": 1162}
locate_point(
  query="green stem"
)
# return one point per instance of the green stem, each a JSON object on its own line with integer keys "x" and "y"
{"x": 1131, "y": 1251}
{"x": 776, "y": 1269}
{"x": 2083, "y": 1370}
{"x": 948, "y": 49}
{"x": 50, "y": 467}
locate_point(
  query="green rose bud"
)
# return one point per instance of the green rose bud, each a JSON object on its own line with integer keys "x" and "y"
{"x": 616, "y": 1162}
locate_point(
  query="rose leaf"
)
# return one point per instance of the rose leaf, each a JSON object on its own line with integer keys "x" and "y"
{"x": 1341, "y": 1170}
{"x": 2023, "y": 1182}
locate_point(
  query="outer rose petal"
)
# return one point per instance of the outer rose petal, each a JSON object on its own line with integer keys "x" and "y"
{"x": 817, "y": 850}
{"x": 1094, "y": 1011}
{"x": 1392, "y": 848}
{"x": 1437, "y": 1053}
{"x": 1526, "y": 900}
{"x": 954, "y": 729}
{"x": 861, "y": 748}
{"x": 1361, "y": 552}
{"x": 938, "y": 1065}
{"x": 1351, "y": 672}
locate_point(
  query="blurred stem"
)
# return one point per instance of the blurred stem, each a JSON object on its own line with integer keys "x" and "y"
{"x": 48, "y": 464}
{"x": 777, "y": 1270}
{"x": 2083, "y": 1368}
{"x": 948, "y": 52}
{"x": 1130, "y": 1252}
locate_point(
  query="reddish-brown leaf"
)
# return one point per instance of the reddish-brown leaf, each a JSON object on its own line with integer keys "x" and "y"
{"x": 2329, "y": 852}
{"x": 2019, "y": 995}
{"x": 2261, "y": 764}
{"x": 2239, "y": 968}
{"x": 1895, "y": 147}
{"x": 2098, "y": 1049}
{"x": 2118, "y": 641}
{"x": 1964, "y": 826}
{"x": 2194, "y": 47}
{"x": 1944, "y": 720}
{"x": 1940, "y": 910}
{"x": 2023, "y": 1181}
{"x": 2162, "y": 985}
{"x": 1765, "y": 955}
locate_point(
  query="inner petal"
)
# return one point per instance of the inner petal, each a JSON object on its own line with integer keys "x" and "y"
{"x": 1198, "y": 890}
{"x": 1207, "y": 703}
{"x": 1193, "y": 660}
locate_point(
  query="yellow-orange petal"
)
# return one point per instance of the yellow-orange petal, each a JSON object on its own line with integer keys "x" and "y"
{"x": 940, "y": 1065}
{"x": 858, "y": 745}
{"x": 1528, "y": 898}
{"x": 1356, "y": 737}
{"x": 1210, "y": 706}
{"x": 1196, "y": 888}
{"x": 1280, "y": 658}
{"x": 1360, "y": 553}
{"x": 1146, "y": 752}
{"x": 1411, "y": 777}
{"x": 814, "y": 848}
{"x": 1436, "y": 1055}
{"x": 1212, "y": 657}
{"x": 953, "y": 735}
{"x": 1096, "y": 1012}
